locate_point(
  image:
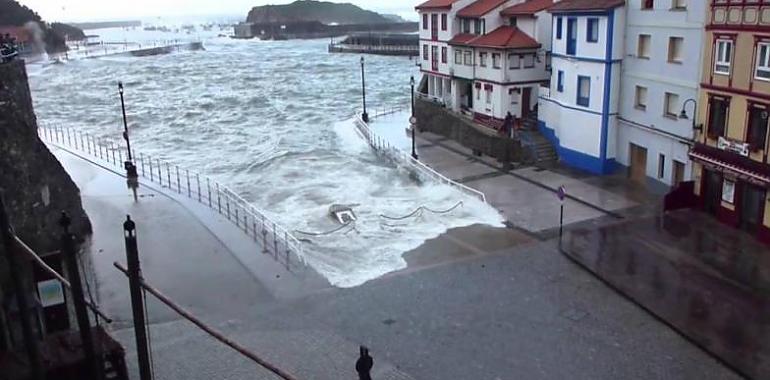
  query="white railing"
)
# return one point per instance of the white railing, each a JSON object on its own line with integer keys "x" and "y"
{"x": 400, "y": 157}
{"x": 432, "y": 98}
{"x": 275, "y": 239}
{"x": 384, "y": 111}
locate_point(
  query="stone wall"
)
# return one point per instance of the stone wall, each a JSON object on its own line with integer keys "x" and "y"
{"x": 36, "y": 187}
{"x": 435, "y": 118}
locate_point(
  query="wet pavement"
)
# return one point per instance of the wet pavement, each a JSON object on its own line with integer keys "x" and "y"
{"x": 475, "y": 303}
{"x": 709, "y": 281}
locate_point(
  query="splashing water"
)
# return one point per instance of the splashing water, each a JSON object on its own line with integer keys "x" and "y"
{"x": 272, "y": 120}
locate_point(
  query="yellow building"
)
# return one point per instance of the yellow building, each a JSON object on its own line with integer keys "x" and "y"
{"x": 730, "y": 155}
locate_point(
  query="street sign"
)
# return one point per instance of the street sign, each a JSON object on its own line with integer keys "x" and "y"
{"x": 562, "y": 193}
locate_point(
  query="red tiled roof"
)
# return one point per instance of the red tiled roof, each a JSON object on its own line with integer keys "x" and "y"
{"x": 20, "y": 33}
{"x": 435, "y": 4}
{"x": 527, "y": 8}
{"x": 480, "y": 8}
{"x": 462, "y": 39}
{"x": 504, "y": 37}
{"x": 585, "y": 5}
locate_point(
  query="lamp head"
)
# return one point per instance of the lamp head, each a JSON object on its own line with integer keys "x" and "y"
{"x": 120, "y": 87}
{"x": 411, "y": 80}
{"x": 683, "y": 115}
{"x": 362, "y": 60}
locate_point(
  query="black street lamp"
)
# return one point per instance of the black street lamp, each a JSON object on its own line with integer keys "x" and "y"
{"x": 129, "y": 164}
{"x": 683, "y": 115}
{"x": 413, "y": 121}
{"x": 364, "y": 116}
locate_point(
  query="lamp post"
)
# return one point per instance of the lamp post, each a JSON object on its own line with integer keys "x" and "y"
{"x": 413, "y": 121}
{"x": 364, "y": 116}
{"x": 131, "y": 171}
{"x": 683, "y": 115}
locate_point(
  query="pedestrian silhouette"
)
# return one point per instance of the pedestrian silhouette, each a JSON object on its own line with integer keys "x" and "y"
{"x": 364, "y": 364}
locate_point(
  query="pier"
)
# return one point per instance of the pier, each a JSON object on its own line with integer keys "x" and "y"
{"x": 378, "y": 43}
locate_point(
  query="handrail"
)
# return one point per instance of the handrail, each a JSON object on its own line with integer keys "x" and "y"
{"x": 382, "y": 145}
{"x": 275, "y": 239}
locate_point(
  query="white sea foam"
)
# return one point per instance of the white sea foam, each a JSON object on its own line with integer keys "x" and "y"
{"x": 272, "y": 121}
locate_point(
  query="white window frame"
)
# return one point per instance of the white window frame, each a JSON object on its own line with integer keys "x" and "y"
{"x": 763, "y": 63}
{"x": 673, "y": 49}
{"x": 496, "y": 60}
{"x": 458, "y": 57}
{"x": 640, "y": 104}
{"x": 643, "y": 53}
{"x": 468, "y": 57}
{"x": 722, "y": 57}
{"x": 668, "y": 99}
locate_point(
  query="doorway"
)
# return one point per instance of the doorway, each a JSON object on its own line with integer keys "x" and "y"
{"x": 678, "y": 174}
{"x": 752, "y": 207}
{"x": 638, "y": 168}
{"x": 526, "y": 95}
{"x": 712, "y": 192}
{"x": 571, "y": 36}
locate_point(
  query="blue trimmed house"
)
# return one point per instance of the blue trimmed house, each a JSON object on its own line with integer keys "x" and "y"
{"x": 578, "y": 113}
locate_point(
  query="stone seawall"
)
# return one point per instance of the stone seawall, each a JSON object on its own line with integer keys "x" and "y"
{"x": 36, "y": 188}
{"x": 435, "y": 118}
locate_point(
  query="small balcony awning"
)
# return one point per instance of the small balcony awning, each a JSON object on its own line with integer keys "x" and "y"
{"x": 730, "y": 163}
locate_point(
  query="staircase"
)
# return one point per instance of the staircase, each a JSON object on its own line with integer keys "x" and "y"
{"x": 541, "y": 151}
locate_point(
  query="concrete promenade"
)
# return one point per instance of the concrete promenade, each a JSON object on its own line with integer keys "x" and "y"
{"x": 475, "y": 303}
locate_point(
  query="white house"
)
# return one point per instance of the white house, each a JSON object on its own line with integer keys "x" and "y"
{"x": 579, "y": 111}
{"x": 438, "y": 25}
{"x": 485, "y": 57}
{"x": 661, "y": 71}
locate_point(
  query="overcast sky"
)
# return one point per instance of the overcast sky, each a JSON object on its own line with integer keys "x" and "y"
{"x": 96, "y": 10}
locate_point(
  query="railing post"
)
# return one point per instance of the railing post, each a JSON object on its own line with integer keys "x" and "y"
{"x": 178, "y": 184}
{"x": 255, "y": 229}
{"x": 160, "y": 174}
{"x": 149, "y": 159}
{"x": 78, "y": 298}
{"x": 208, "y": 189}
{"x": 219, "y": 199}
{"x": 112, "y": 145}
{"x": 286, "y": 243}
{"x": 275, "y": 242}
{"x": 198, "y": 181}
{"x": 237, "y": 218}
{"x": 189, "y": 191}
{"x": 69, "y": 140}
{"x": 168, "y": 175}
{"x": 141, "y": 162}
{"x": 264, "y": 236}
{"x": 120, "y": 155}
{"x": 137, "y": 299}
{"x": 227, "y": 200}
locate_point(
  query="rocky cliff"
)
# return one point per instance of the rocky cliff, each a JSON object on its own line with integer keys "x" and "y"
{"x": 36, "y": 188}
{"x": 310, "y": 10}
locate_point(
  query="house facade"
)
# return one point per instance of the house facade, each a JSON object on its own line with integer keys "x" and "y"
{"x": 578, "y": 113}
{"x": 489, "y": 60}
{"x": 730, "y": 155}
{"x": 661, "y": 71}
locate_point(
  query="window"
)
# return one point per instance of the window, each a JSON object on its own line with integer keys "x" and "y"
{"x": 648, "y": 4}
{"x": 496, "y": 60}
{"x": 483, "y": 59}
{"x": 514, "y": 62}
{"x": 478, "y": 94}
{"x": 558, "y": 28}
{"x": 477, "y": 26}
{"x": 679, "y": 4}
{"x": 443, "y": 21}
{"x": 584, "y": 91}
{"x": 671, "y": 105}
{"x": 675, "y": 49}
{"x": 529, "y": 61}
{"x": 757, "y": 131}
{"x": 489, "y": 95}
{"x": 458, "y": 57}
{"x": 592, "y": 30}
{"x": 723, "y": 57}
{"x": 466, "y": 25}
{"x": 443, "y": 55}
{"x": 483, "y": 26}
{"x": 763, "y": 61}
{"x": 662, "y": 166}
{"x": 468, "y": 58}
{"x": 718, "y": 108}
{"x": 512, "y": 21}
{"x": 640, "y": 101}
{"x": 643, "y": 46}
{"x": 425, "y": 52}
{"x": 560, "y": 81}
{"x": 425, "y": 21}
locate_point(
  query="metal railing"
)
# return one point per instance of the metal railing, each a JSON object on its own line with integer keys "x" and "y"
{"x": 385, "y": 110}
{"x": 275, "y": 239}
{"x": 432, "y": 98}
{"x": 400, "y": 157}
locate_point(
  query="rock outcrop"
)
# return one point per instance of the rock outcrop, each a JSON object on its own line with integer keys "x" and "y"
{"x": 36, "y": 187}
{"x": 320, "y": 11}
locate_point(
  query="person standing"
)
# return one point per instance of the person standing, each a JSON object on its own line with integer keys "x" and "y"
{"x": 364, "y": 364}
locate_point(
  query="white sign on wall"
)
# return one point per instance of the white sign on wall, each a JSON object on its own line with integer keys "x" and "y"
{"x": 51, "y": 293}
{"x": 733, "y": 146}
{"x": 728, "y": 191}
